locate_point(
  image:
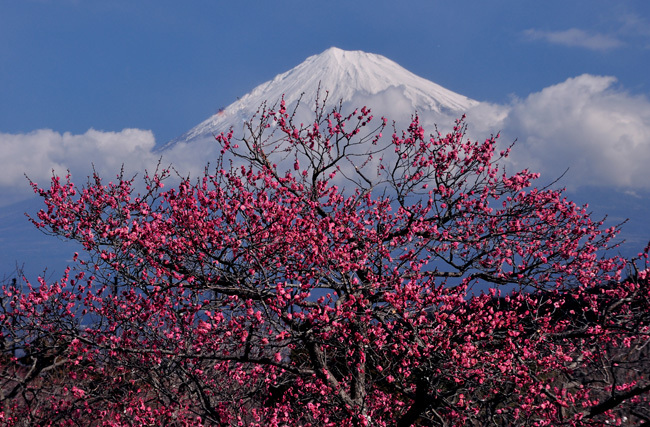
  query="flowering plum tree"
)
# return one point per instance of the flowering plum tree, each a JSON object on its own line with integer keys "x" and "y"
{"x": 325, "y": 274}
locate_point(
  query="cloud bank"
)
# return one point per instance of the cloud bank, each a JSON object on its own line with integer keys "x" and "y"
{"x": 586, "y": 124}
{"x": 38, "y": 153}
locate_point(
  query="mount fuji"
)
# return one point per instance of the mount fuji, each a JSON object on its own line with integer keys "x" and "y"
{"x": 358, "y": 78}
{"x": 354, "y": 77}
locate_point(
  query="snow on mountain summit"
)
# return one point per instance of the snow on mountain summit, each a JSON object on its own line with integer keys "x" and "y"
{"x": 350, "y": 76}
{"x": 346, "y": 73}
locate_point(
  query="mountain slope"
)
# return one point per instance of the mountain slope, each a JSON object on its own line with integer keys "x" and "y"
{"x": 351, "y": 76}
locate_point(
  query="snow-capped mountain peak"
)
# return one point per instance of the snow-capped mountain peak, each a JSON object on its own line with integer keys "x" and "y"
{"x": 350, "y": 76}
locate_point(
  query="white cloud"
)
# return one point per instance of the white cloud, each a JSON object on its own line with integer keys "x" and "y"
{"x": 37, "y": 153}
{"x": 587, "y": 124}
{"x": 575, "y": 37}
{"x": 601, "y": 133}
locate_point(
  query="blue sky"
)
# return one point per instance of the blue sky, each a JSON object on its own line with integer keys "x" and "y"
{"x": 165, "y": 65}
{"x": 77, "y": 73}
